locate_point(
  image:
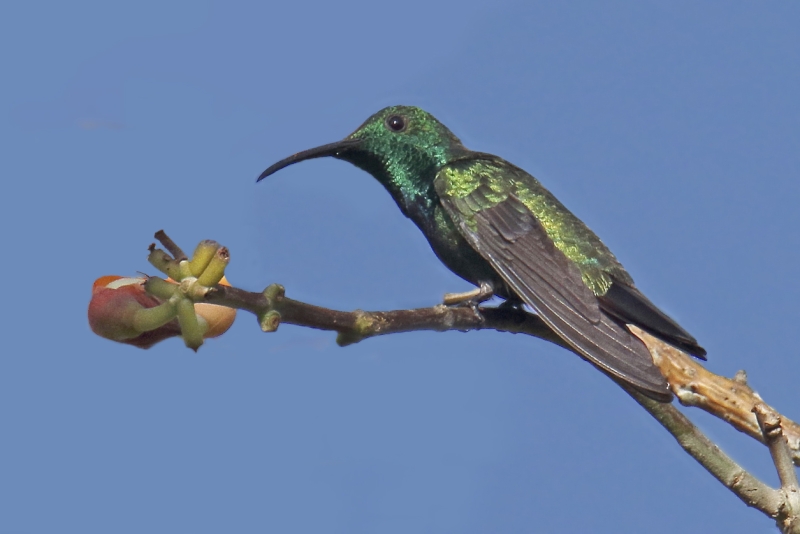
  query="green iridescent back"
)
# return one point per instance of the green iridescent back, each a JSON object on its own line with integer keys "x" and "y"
{"x": 499, "y": 179}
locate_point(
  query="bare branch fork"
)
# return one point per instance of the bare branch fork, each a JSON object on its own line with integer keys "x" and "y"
{"x": 731, "y": 400}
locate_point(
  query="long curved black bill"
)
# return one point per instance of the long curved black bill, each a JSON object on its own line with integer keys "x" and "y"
{"x": 330, "y": 149}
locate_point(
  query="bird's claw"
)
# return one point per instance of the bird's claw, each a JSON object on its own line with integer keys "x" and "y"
{"x": 472, "y": 298}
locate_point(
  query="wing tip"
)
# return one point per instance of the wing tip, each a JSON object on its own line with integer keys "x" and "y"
{"x": 694, "y": 350}
{"x": 659, "y": 395}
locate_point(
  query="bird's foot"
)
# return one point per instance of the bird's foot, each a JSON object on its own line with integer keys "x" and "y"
{"x": 511, "y": 304}
{"x": 470, "y": 298}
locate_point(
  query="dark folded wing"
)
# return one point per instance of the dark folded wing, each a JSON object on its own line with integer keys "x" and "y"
{"x": 515, "y": 243}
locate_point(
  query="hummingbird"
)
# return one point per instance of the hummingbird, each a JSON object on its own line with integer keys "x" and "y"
{"x": 497, "y": 227}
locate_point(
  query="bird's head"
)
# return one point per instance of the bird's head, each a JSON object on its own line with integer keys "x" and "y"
{"x": 401, "y": 146}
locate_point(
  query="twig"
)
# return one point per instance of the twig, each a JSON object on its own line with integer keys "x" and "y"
{"x": 354, "y": 326}
{"x": 730, "y": 400}
{"x": 748, "y": 488}
{"x": 770, "y": 424}
{"x": 170, "y": 245}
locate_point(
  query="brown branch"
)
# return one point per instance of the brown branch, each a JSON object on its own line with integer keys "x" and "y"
{"x": 170, "y": 245}
{"x": 770, "y": 424}
{"x": 732, "y": 400}
{"x": 729, "y": 399}
{"x": 354, "y": 326}
{"x": 748, "y": 488}
{"x": 693, "y": 384}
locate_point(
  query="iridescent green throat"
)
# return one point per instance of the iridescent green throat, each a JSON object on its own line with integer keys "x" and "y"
{"x": 405, "y": 162}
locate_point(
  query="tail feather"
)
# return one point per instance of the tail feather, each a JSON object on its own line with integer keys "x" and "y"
{"x": 628, "y": 305}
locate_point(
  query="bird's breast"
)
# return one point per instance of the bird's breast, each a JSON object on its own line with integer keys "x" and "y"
{"x": 453, "y": 250}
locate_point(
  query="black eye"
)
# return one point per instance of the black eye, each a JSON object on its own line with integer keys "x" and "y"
{"x": 396, "y": 123}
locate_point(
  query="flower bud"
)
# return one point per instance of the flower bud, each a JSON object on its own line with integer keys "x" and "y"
{"x": 113, "y": 312}
{"x": 121, "y": 310}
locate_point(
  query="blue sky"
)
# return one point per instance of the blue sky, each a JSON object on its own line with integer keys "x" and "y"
{"x": 671, "y": 128}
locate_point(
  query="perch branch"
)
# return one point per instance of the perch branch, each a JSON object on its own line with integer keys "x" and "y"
{"x": 355, "y": 326}
{"x": 729, "y": 399}
{"x": 358, "y": 325}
